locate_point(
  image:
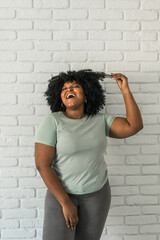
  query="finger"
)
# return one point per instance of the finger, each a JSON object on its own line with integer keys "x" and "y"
{"x": 121, "y": 75}
{"x": 115, "y": 75}
{"x": 118, "y": 75}
{"x": 73, "y": 224}
{"x": 67, "y": 222}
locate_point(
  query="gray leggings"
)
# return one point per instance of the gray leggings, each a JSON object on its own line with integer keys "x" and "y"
{"x": 92, "y": 213}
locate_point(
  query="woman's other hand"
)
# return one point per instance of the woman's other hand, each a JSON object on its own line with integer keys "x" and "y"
{"x": 70, "y": 213}
{"x": 122, "y": 81}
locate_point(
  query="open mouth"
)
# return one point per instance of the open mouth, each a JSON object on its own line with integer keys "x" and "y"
{"x": 70, "y": 95}
{"x": 70, "y": 98}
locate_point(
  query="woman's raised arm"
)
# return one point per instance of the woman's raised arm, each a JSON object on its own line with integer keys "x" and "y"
{"x": 133, "y": 123}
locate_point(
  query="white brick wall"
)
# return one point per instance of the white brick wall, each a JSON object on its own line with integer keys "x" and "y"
{"x": 43, "y": 37}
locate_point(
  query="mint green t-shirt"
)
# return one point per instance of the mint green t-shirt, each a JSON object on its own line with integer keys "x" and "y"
{"x": 80, "y": 145}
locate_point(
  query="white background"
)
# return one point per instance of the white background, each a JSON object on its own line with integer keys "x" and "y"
{"x": 43, "y": 37}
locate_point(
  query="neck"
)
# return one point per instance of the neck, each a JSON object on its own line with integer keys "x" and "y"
{"x": 74, "y": 114}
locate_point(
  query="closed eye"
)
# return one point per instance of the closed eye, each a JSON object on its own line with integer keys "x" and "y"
{"x": 73, "y": 86}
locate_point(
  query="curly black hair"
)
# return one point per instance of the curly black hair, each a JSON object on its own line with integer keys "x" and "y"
{"x": 88, "y": 79}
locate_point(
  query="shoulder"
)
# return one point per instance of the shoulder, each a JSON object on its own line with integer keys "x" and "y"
{"x": 54, "y": 116}
{"x": 101, "y": 115}
{"x": 49, "y": 120}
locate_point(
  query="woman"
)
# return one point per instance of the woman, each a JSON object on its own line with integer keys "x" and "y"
{"x": 69, "y": 148}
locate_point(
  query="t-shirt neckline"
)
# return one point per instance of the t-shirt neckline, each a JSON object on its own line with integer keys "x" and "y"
{"x": 74, "y": 119}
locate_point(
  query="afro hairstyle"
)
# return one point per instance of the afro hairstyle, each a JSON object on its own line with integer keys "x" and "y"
{"x": 88, "y": 79}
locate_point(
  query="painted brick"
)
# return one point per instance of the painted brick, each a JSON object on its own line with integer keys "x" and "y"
{"x": 140, "y": 15}
{"x": 140, "y": 237}
{"x": 17, "y": 172}
{"x": 141, "y": 36}
{"x": 70, "y": 57}
{"x": 141, "y": 199}
{"x": 100, "y": 56}
{"x": 16, "y": 45}
{"x": 151, "y": 209}
{"x": 124, "y": 210}
{"x": 7, "y": 224}
{"x": 9, "y": 203}
{"x": 117, "y": 200}
{"x": 123, "y": 25}
{"x": 50, "y": 4}
{"x": 150, "y": 5}
{"x": 124, "y": 190}
{"x": 32, "y": 223}
{"x": 122, "y": 4}
{"x": 7, "y": 13}
{"x": 105, "y": 14}
{"x": 33, "y": 14}
{"x": 140, "y": 56}
{"x": 15, "y": 24}
{"x": 123, "y": 45}
{"x": 141, "y": 180}
{"x": 35, "y": 35}
{"x": 50, "y": 25}
{"x": 123, "y": 230}
{"x": 142, "y": 159}
{"x": 150, "y": 190}
{"x": 16, "y": 4}
{"x": 23, "y": 233}
{"x": 87, "y": 4}
{"x": 69, "y": 14}
{"x": 153, "y": 228}
{"x": 86, "y": 45}
{"x": 69, "y": 35}
{"x": 18, "y": 213}
{"x": 87, "y": 25}
{"x": 9, "y": 182}
{"x": 5, "y": 34}
{"x": 34, "y": 56}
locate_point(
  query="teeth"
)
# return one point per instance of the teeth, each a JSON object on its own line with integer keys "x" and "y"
{"x": 70, "y": 94}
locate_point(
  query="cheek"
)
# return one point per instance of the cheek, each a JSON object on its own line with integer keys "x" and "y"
{"x": 81, "y": 93}
{"x": 62, "y": 95}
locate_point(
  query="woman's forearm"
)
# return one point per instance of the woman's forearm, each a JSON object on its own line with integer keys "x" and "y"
{"x": 133, "y": 115}
{"x": 53, "y": 183}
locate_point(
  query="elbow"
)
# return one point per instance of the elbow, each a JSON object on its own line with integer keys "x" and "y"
{"x": 140, "y": 127}
{"x": 136, "y": 129}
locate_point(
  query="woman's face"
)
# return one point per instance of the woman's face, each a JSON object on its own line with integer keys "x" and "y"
{"x": 76, "y": 100}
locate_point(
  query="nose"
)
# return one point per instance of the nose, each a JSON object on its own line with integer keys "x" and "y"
{"x": 70, "y": 88}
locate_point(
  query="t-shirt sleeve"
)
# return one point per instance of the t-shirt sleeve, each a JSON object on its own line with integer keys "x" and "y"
{"x": 108, "y": 122}
{"x": 47, "y": 132}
